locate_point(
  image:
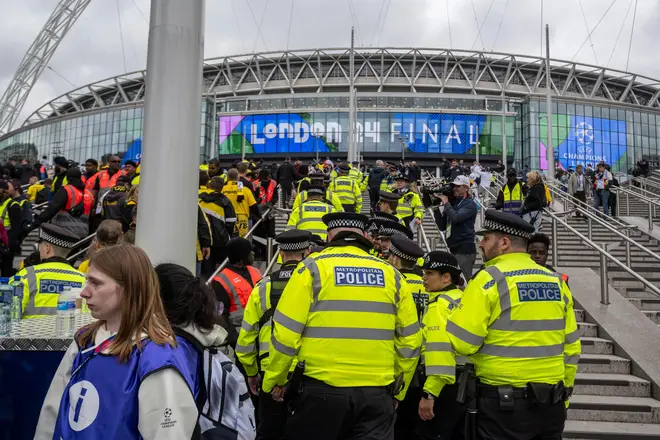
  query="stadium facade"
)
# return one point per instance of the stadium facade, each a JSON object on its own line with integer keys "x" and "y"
{"x": 424, "y": 103}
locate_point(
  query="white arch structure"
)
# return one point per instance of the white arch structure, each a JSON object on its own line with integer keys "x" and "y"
{"x": 36, "y": 59}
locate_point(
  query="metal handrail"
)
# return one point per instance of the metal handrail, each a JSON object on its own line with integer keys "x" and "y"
{"x": 226, "y": 260}
{"x": 642, "y": 190}
{"x": 604, "y": 293}
{"x": 652, "y": 204}
{"x": 26, "y": 186}
{"x": 422, "y": 233}
{"x": 73, "y": 257}
{"x": 272, "y": 261}
{"x": 645, "y": 182}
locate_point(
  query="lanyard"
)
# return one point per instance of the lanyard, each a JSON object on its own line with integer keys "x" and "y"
{"x": 96, "y": 350}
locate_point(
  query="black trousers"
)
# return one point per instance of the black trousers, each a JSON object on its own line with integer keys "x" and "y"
{"x": 348, "y": 208}
{"x": 374, "y": 195}
{"x": 448, "y": 423}
{"x": 7, "y": 264}
{"x": 524, "y": 422}
{"x": 581, "y": 196}
{"x": 271, "y": 418}
{"x": 323, "y": 412}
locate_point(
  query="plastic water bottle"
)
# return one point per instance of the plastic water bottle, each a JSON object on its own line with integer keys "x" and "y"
{"x": 7, "y": 292}
{"x": 17, "y": 302}
{"x": 66, "y": 308}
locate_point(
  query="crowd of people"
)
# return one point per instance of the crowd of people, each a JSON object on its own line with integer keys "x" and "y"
{"x": 357, "y": 333}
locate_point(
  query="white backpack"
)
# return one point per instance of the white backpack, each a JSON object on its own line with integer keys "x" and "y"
{"x": 225, "y": 409}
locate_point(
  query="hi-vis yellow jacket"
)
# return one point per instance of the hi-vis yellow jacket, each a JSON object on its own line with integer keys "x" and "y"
{"x": 348, "y": 191}
{"x": 343, "y": 313}
{"x": 309, "y": 217}
{"x": 437, "y": 354}
{"x": 329, "y": 196}
{"x": 516, "y": 322}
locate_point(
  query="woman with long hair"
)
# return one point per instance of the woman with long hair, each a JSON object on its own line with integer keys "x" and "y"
{"x": 535, "y": 201}
{"x": 108, "y": 234}
{"x": 125, "y": 376}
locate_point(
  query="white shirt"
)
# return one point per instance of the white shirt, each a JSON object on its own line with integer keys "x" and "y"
{"x": 580, "y": 182}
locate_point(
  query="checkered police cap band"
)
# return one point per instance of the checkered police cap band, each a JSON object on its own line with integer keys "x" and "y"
{"x": 388, "y": 232}
{"x": 290, "y": 247}
{"x": 346, "y": 223}
{"x": 373, "y": 228}
{"x": 55, "y": 241}
{"x": 396, "y": 251}
{"x": 491, "y": 225}
{"x": 315, "y": 191}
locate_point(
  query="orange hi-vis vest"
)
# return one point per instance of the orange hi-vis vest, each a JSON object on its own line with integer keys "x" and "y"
{"x": 75, "y": 196}
{"x": 91, "y": 182}
{"x": 239, "y": 290}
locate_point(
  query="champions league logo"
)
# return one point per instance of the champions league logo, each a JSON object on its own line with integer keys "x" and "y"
{"x": 584, "y": 134}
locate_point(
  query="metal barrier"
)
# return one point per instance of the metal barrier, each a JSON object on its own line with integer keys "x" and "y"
{"x": 249, "y": 233}
{"x": 73, "y": 257}
{"x": 604, "y": 256}
{"x": 651, "y": 204}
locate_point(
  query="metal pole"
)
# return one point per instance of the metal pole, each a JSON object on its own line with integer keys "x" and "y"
{"x": 434, "y": 243}
{"x": 555, "y": 239}
{"x": 650, "y": 216}
{"x": 627, "y": 203}
{"x": 550, "y": 151}
{"x": 589, "y": 228}
{"x": 504, "y": 149}
{"x": 419, "y": 235}
{"x": 269, "y": 248}
{"x": 351, "y": 103}
{"x": 628, "y": 259}
{"x": 437, "y": 172}
{"x": 243, "y": 148}
{"x": 172, "y": 120}
{"x": 272, "y": 262}
{"x": 604, "y": 288}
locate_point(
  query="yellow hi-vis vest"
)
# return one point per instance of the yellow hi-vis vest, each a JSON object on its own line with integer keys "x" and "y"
{"x": 415, "y": 285}
{"x": 330, "y": 197}
{"x": 513, "y": 200}
{"x": 348, "y": 191}
{"x": 43, "y": 283}
{"x": 343, "y": 313}
{"x": 4, "y": 212}
{"x": 437, "y": 355}
{"x": 516, "y": 322}
{"x": 410, "y": 205}
{"x": 308, "y": 217}
{"x": 253, "y": 346}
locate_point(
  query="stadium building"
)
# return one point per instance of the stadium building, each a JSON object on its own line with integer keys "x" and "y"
{"x": 421, "y": 103}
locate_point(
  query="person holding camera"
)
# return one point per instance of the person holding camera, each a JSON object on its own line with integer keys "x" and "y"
{"x": 457, "y": 221}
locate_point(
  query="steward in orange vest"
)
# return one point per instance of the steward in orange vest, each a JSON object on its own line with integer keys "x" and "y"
{"x": 71, "y": 198}
{"x": 91, "y": 174}
{"x": 234, "y": 284}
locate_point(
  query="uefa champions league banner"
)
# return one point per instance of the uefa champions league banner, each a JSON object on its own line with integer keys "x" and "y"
{"x": 581, "y": 140}
{"x": 383, "y": 132}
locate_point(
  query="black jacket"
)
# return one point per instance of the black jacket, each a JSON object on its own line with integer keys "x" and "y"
{"x": 203, "y": 230}
{"x": 461, "y": 214}
{"x": 286, "y": 175}
{"x": 376, "y": 176}
{"x": 25, "y": 172}
{"x": 535, "y": 199}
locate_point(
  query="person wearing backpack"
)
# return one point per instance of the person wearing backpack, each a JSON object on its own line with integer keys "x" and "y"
{"x": 221, "y": 215}
{"x": 191, "y": 308}
{"x": 17, "y": 196}
{"x": 12, "y": 219}
{"x": 253, "y": 347}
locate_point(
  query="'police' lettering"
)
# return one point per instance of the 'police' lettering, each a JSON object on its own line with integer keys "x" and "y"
{"x": 56, "y": 286}
{"x": 529, "y": 292}
{"x": 359, "y": 276}
{"x": 315, "y": 209}
{"x": 286, "y": 274}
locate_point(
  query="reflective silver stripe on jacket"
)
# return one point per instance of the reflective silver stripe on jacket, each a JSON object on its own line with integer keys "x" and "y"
{"x": 213, "y": 214}
{"x": 31, "y": 309}
{"x": 450, "y": 300}
{"x": 237, "y": 316}
{"x": 505, "y": 323}
{"x": 263, "y": 294}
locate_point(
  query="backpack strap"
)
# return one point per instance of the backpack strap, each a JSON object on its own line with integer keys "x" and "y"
{"x": 202, "y": 396}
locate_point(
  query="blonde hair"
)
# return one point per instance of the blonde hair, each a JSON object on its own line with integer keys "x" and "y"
{"x": 141, "y": 307}
{"x": 533, "y": 177}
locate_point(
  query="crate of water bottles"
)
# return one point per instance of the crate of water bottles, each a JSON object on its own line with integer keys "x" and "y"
{"x": 53, "y": 332}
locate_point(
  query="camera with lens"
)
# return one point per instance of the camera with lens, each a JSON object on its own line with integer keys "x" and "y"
{"x": 429, "y": 193}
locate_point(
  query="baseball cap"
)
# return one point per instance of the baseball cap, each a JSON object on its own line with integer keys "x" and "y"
{"x": 461, "y": 180}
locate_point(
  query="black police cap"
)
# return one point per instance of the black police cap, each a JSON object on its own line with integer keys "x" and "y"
{"x": 511, "y": 172}
{"x": 383, "y": 216}
{"x": 294, "y": 240}
{"x": 402, "y": 176}
{"x": 443, "y": 262}
{"x": 344, "y": 167}
{"x": 315, "y": 190}
{"x": 58, "y": 236}
{"x": 388, "y": 229}
{"x": 336, "y": 220}
{"x": 386, "y": 196}
{"x": 405, "y": 248}
{"x": 506, "y": 223}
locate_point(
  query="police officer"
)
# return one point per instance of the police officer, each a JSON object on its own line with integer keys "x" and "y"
{"x": 344, "y": 314}
{"x": 411, "y": 208}
{"x": 253, "y": 345}
{"x": 516, "y": 321}
{"x": 317, "y": 179}
{"x": 388, "y": 202}
{"x": 440, "y": 416}
{"x": 42, "y": 283}
{"x": 308, "y": 216}
{"x": 387, "y": 230}
{"x": 347, "y": 189}
{"x": 512, "y": 194}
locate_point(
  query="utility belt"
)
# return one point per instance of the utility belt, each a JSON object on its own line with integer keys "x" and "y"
{"x": 419, "y": 377}
{"x": 393, "y": 389}
{"x": 536, "y": 394}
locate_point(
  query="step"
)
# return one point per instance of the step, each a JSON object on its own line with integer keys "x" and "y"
{"x": 583, "y": 430}
{"x": 579, "y": 315}
{"x": 587, "y": 329}
{"x": 614, "y": 409}
{"x": 653, "y": 315}
{"x": 591, "y": 345}
{"x": 611, "y": 385}
{"x": 646, "y": 304}
{"x": 603, "y": 363}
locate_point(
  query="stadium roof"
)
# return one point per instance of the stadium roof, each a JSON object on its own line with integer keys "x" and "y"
{"x": 377, "y": 70}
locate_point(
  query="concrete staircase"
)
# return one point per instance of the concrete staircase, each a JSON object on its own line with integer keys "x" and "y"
{"x": 609, "y": 403}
